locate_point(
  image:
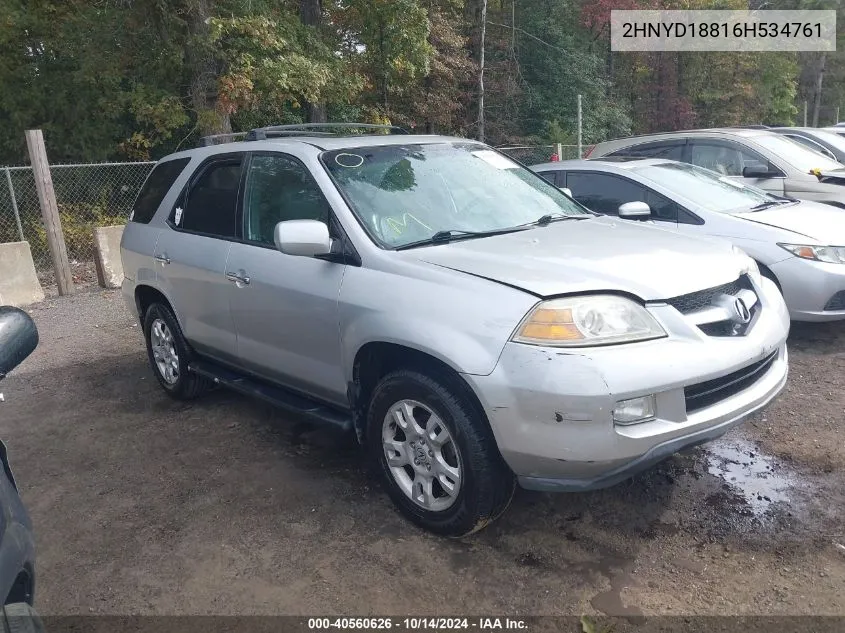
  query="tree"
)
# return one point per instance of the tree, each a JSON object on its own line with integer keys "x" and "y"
{"x": 311, "y": 14}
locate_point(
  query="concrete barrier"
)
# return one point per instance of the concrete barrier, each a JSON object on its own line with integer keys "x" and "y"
{"x": 19, "y": 285}
{"x": 107, "y": 256}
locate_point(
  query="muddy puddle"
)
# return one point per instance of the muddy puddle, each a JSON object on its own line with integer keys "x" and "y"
{"x": 760, "y": 479}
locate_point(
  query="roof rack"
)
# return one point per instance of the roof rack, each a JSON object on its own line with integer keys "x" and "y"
{"x": 297, "y": 129}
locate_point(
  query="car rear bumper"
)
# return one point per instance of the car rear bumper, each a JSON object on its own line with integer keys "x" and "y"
{"x": 551, "y": 409}
{"x": 814, "y": 291}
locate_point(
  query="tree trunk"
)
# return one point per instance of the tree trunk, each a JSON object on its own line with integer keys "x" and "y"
{"x": 817, "y": 100}
{"x": 204, "y": 73}
{"x": 475, "y": 16}
{"x": 385, "y": 100}
{"x": 311, "y": 14}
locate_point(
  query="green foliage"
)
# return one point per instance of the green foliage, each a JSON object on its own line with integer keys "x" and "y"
{"x": 78, "y": 223}
{"x": 116, "y": 80}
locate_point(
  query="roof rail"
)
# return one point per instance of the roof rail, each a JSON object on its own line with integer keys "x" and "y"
{"x": 261, "y": 133}
{"x": 296, "y": 129}
{"x": 207, "y": 141}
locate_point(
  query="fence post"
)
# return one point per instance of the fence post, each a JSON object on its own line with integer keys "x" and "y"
{"x": 49, "y": 210}
{"x": 14, "y": 204}
{"x": 579, "y": 128}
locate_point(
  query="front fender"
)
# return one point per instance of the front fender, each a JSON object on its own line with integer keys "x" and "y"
{"x": 462, "y": 352}
{"x": 459, "y": 320}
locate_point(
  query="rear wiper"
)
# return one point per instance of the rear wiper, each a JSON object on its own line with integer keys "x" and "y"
{"x": 454, "y": 234}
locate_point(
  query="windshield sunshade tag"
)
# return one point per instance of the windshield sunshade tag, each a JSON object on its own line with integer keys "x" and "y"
{"x": 497, "y": 160}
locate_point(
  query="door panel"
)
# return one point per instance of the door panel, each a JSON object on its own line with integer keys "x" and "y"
{"x": 194, "y": 281}
{"x": 286, "y": 317}
{"x": 192, "y": 252}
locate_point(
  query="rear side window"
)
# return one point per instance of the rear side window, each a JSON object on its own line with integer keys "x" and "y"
{"x": 211, "y": 203}
{"x": 671, "y": 150}
{"x": 156, "y": 186}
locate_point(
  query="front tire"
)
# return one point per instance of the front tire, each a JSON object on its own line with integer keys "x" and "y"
{"x": 170, "y": 355}
{"x": 436, "y": 454}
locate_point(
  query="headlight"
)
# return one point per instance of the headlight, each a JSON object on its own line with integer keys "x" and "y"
{"x": 587, "y": 320}
{"x": 828, "y": 254}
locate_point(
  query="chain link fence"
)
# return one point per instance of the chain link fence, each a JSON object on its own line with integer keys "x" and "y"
{"x": 87, "y": 196}
{"x": 534, "y": 154}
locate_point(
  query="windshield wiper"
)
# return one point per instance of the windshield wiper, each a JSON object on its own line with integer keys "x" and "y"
{"x": 770, "y": 204}
{"x": 442, "y": 237}
{"x": 543, "y": 220}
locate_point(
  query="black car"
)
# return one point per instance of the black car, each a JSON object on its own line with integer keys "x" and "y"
{"x": 18, "y": 338}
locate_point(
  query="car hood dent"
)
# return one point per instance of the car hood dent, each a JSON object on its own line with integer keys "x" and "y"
{"x": 601, "y": 254}
{"x": 817, "y": 221}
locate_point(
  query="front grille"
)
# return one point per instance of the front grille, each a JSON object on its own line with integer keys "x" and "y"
{"x": 708, "y": 393}
{"x": 695, "y": 301}
{"x": 837, "y": 301}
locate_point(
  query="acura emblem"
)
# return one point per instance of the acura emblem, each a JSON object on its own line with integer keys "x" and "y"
{"x": 743, "y": 315}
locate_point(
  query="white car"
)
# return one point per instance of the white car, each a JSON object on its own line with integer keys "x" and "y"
{"x": 798, "y": 244}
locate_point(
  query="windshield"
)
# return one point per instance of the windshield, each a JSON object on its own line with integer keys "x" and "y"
{"x": 799, "y": 156}
{"x": 828, "y": 137}
{"x": 409, "y": 193}
{"x": 707, "y": 188}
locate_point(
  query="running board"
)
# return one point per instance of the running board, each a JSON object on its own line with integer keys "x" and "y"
{"x": 277, "y": 396}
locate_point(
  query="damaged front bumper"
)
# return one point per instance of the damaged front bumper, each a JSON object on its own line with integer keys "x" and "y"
{"x": 551, "y": 409}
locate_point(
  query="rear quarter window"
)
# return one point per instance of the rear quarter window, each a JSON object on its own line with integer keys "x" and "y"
{"x": 156, "y": 186}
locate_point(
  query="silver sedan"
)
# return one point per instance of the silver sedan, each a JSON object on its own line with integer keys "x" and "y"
{"x": 798, "y": 244}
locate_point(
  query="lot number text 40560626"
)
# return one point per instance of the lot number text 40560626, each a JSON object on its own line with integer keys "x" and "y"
{"x": 482, "y": 625}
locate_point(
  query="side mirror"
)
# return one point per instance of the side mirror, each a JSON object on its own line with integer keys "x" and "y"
{"x": 759, "y": 170}
{"x": 634, "y": 210}
{"x": 303, "y": 238}
{"x": 566, "y": 192}
{"x": 18, "y": 338}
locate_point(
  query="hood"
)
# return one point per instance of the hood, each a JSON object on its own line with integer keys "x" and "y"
{"x": 593, "y": 255}
{"x": 821, "y": 222}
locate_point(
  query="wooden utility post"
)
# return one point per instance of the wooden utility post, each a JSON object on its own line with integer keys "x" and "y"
{"x": 49, "y": 210}
{"x": 482, "y": 37}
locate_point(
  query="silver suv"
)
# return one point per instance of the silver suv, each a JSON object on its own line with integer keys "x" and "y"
{"x": 471, "y": 324}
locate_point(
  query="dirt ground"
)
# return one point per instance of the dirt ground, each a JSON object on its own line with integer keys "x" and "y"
{"x": 143, "y": 505}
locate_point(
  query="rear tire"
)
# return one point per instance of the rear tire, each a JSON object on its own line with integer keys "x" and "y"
{"x": 19, "y": 617}
{"x": 436, "y": 454}
{"x": 169, "y": 354}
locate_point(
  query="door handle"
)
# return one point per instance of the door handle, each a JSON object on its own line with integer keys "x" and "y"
{"x": 164, "y": 260}
{"x": 238, "y": 279}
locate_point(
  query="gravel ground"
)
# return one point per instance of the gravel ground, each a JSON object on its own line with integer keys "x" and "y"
{"x": 143, "y": 505}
